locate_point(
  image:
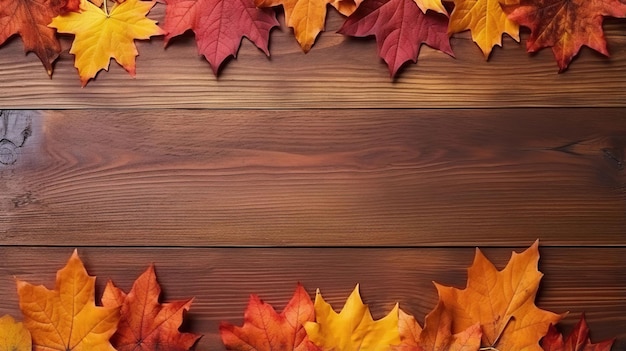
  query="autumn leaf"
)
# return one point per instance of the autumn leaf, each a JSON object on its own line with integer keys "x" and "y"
{"x": 437, "y": 334}
{"x": 29, "y": 19}
{"x": 433, "y": 5}
{"x": 14, "y": 336}
{"x": 265, "y": 330}
{"x": 145, "y": 324}
{"x": 67, "y": 318}
{"x": 102, "y": 35}
{"x": 400, "y": 29}
{"x": 307, "y": 17}
{"x": 503, "y": 302}
{"x": 353, "y": 328}
{"x": 409, "y": 330}
{"x": 565, "y": 25}
{"x": 578, "y": 340}
{"x": 219, "y": 26}
{"x": 486, "y": 20}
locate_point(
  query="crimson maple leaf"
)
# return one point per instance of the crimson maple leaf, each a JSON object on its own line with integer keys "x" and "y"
{"x": 577, "y": 340}
{"x": 30, "y": 19}
{"x": 219, "y": 26}
{"x": 265, "y": 330}
{"x": 146, "y": 324}
{"x": 565, "y": 25}
{"x": 400, "y": 28}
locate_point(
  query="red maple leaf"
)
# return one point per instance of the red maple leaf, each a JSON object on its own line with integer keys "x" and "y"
{"x": 219, "y": 26}
{"x": 265, "y": 330}
{"x": 565, "y": 25}
{"x": 145, "y": 324}
{"x": 577, "y": 340}
{"x": 400, "y": 28}
{"x": 30, "y": 19}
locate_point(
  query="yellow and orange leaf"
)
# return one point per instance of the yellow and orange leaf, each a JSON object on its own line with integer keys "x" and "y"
{"x": 14, "y": 336}
{"x": 502, "y": 302}
{"x": 100, "y": 36}
{"x": 307, "y": 17}
{"x": 265, "y": 330}
{"x": 433, "y": 5}
{"x": 486, "y": 21}
{"x": 146, "y": 324}
{"x": 353, "y": 328}
{"x": 67, "y": 318}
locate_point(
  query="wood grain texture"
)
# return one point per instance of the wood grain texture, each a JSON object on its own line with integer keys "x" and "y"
{"x": 318, "y": 178}
{"x": 338, "y": 73}
{"x": 575, "y": 280}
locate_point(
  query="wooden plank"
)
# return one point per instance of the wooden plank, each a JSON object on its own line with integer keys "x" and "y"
{"x": 576, "y": 280}
{"x": 318, "y": 178}
{"x": 338, "y": 73}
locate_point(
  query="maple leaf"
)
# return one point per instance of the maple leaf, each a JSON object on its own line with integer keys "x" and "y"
{"x": 565, "y": 25}
{"x": 437, "y": 334}
{"x": 265, "y": 330}
{"x": 146, "y": 324}
{"x": 219, "y": 26}
{"x": 14, "y": 336}
{"x": 400, "y": 29}
{"x": 503, "y": 302}
{"x": 577, "y": 340}
{"x": 486, "y": 20}
{"x": 67, "y": 318}
{"x": 29, "y": 19}
{"x": 307, "y": 17}
{"x": 353, "y": 328}
{"x": 102, "y": 35}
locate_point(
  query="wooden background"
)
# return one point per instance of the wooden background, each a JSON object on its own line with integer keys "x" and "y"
{"x": 318, "y": 168}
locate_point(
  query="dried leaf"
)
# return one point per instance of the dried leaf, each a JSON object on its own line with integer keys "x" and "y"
{"x": 101, "y": 36}
{"x": 145, "y": 324}
{"x": 485, "y": 19}
{"x": 566, "y": 25}
{"x": 353, "y": 328}
{"x": 503, "y": 302}
{"x": 265, "y": 330}
{"x": 400, "y": 29}
{"x": 578, "y": 340}
{"x": 307, "y": 17}
{"x": 29, "y": 19}
{"x": 219, "y": 26}
{"x": 67, "y": 318}
{"x": 14, "y": 336}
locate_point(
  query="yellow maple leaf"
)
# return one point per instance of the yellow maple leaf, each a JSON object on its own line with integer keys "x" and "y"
{"x": 307, "y": 17}
{"x": 353, "y": 328}
{"x": 14, "y": 336}
{"x": 433, "y": 5}
{"x": 102, "y": 35}
{"x": 485, "y": 19}
{"x": 67, "y": 318}
{"x": 503, "y": 302}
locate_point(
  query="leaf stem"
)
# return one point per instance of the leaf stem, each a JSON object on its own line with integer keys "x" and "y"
{"x": 106, "y": 10}
{"x": 488, "y": 348}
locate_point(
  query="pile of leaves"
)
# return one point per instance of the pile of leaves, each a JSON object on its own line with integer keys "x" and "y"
{"x": 106, "y": 29}
{"x": 495, "y": 312}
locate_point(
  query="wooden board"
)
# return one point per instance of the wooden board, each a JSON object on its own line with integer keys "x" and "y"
{"x": 338, "y": 72}
{"x": 576, "y": 280}
{"x": 318, "y": 178}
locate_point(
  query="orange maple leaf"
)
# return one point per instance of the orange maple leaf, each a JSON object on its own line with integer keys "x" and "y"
{"x": 485, "y": 19}
{"x": 503, "y": 302}
{"x": 437, "y": 333}
{"x": 265, "y": 330}
{"x": 67, "y": 318}
{"x": 307, "y": 17}
{"x": 29, "y": 19}
{"x": 578, "y": 340}
{"x": 145, "y": 324}
{"x": 565, "y": 25}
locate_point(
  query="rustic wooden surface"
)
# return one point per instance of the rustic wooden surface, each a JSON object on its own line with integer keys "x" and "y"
{"x": 337, "y": 73}
{"x": 318, "y": 168}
